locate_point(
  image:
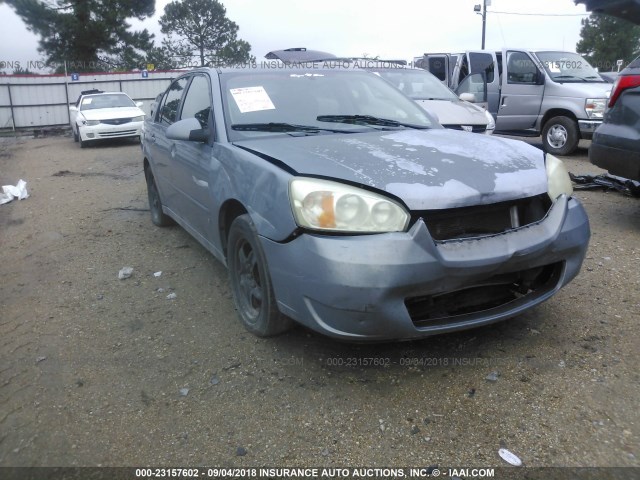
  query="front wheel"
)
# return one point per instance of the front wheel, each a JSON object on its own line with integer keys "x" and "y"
{"x": 75, "y": 135}
{"x": 250, "y": 281}
{"x": 560, "y": 136}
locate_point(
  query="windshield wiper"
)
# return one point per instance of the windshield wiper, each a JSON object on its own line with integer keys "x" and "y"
{"x": 569, "y": 76}
{"x": 366, "y": 120}
{"x": 283, "y": 127}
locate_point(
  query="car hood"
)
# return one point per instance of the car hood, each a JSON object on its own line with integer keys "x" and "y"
{"x": 454, "y": 112}
{"x": 108, "y": 113}
{"x": 426, "y": 169}
{"x": 578, "y": 89}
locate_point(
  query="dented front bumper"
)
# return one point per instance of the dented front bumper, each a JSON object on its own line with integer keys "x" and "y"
{"x": 404, "y": 285}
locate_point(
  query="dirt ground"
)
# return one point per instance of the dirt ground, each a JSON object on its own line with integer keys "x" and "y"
{"x": 100, "y": 371}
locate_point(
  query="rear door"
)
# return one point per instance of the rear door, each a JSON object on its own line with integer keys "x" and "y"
{"x": 485, "y": 64}
{"x": 522, "y": 91}
{"x": 439, "y": 65}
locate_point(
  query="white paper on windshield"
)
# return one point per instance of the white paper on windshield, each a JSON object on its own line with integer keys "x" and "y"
{"x": 252, "y": 99}
{"x": 86, "y": 101}
{"x": 554, "y": 68}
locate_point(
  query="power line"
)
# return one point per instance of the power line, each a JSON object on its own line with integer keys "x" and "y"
{"x": 542, "y": 14}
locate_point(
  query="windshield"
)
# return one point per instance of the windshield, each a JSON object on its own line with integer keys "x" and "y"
{"x": 568, "y": 67}
{"x": 94, "y": 102}
{"x": 314, "y": 101}
{"x": 417, "y": 84}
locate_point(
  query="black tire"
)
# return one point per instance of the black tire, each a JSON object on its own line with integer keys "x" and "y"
{"x": 75, "y": 135}
{"x": 158, "y": 217}
{"x": 83, "y": 144}
{"x": 250, "y": 281}
{"x": 560, "y": 136}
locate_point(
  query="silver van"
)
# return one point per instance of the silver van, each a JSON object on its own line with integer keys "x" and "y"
{"x": 555, "y": 94}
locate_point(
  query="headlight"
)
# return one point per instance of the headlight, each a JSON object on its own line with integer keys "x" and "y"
{"x": 491, "y": 124}
{"x": 557, "y": 178}
{"x": 336, "y": 207}
{"x": 91, "y": 123}
{"x": 138, "y": 119}
{"x": 595, "y": 107}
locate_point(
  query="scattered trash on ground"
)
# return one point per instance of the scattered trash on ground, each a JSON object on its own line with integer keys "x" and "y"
{"x": 215, "y": 380}
{"x": 606, "y": 182}
{"x": 509, "y": 457}
{"x": 492, "y": 377}
{"x": 157, "y": 274}
{"x": 9, "y": 192}
{"x": 241, "y": 451}
{"x": 184, "y": 392}
{"x": 40, "y": 359}
{"x": 125, "y": 272}
{"x": 172, "y": 296}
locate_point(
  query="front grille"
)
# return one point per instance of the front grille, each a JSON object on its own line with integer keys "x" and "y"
{"x": 116, "y": 121}
{"x": 121, "y": 133}
{"x": 483, "y": 220}
{"x": 482, "y": 296}
{"x": 474, "y": 128}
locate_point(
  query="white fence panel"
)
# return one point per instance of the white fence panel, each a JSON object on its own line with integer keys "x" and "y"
{"x": 41, "y": 116}
{"x": 38, "y": 94}
{"x": 42, "y": 100}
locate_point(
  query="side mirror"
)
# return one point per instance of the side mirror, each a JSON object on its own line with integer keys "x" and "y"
{"x": 468, "y": 97}
{"x": 540, "y": 79}
{"x": 139, "y": 104}
{"x": 188, "y": 130}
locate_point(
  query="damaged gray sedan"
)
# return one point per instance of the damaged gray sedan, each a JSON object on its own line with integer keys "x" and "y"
{"x": 337, "y": 203}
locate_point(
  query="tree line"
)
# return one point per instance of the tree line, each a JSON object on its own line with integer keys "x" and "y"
{"x": 95, "y": 35}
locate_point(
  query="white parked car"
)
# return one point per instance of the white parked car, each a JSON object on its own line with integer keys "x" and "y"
{"x": 101, "y": 115}
{"x": 451, "y": 111}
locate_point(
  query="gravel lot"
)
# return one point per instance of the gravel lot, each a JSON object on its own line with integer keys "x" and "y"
{"x": 100, "y": 371}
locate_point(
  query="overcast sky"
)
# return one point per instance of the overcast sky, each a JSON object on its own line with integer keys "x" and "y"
{"x": 399, "y": 29}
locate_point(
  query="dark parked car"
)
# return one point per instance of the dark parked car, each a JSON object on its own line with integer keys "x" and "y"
{"x": 616, "y": 143}
{"x": 336, "y": 202}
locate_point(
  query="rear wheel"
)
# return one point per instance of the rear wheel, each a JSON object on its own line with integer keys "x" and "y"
{"x": 560, "y": 135}
{"x": 75, "y": 134}
{"x": 158, "y": 217}
{"x": 250, "y": 281}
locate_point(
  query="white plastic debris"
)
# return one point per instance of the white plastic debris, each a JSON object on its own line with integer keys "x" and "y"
{"x": 509, "y": 457}
{"x": 157, "y": 274}
{"x": 172, "y": 296}
{"x": 125, "y": 272}
{"x": 184, "y": 392}
{"x": 9, "y": 192}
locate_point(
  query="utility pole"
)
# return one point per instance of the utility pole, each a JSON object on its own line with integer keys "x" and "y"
{"x": 482, "y": 10}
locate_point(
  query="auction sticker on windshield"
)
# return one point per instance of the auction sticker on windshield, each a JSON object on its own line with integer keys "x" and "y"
{"x": 252, "y": 99}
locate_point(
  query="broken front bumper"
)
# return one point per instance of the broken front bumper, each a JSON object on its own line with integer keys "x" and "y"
{"x": 404, "y": 285}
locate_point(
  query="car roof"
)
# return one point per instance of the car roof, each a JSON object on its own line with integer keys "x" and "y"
{"x": 299, "y": 54}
